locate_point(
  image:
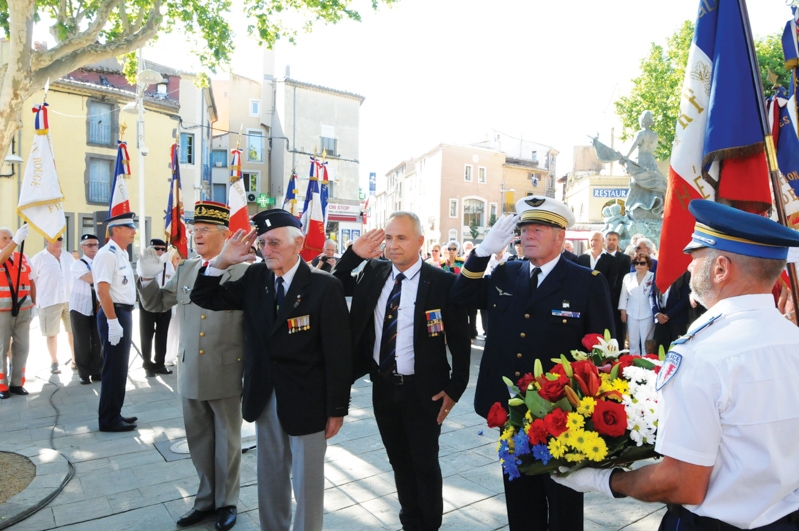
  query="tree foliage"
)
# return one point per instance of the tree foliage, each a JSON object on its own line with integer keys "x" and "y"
{"x": 658, "y": 86}
{"x": 87, "y": 31}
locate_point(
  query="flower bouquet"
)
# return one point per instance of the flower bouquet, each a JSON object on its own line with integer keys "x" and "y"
{"x": 599, "y": 411}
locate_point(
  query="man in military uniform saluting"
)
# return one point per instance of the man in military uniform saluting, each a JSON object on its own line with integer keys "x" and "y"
{"x": 298, "y": 363}
{"x": 728, "y": 442}
{"x": 114, "y": 282}
{"x": 210, "y": 364}
{"x": 538, "y": 309}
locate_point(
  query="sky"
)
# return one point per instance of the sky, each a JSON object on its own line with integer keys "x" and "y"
{"x": 434, "y": 71}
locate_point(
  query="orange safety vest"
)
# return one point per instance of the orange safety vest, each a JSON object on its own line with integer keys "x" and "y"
{"x": 9, "y": 269}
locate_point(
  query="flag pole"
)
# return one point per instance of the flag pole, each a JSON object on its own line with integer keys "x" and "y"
{"x": 771, "y": 153}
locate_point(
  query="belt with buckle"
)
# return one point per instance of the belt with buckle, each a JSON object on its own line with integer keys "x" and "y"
{"x": 128, "y": 307}
{"x": 398, "y": 379}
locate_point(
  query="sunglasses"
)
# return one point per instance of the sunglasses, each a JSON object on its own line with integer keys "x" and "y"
{"x": 160, "y": 248}
{"x": 90, "y": 245}
{"x": 639, "y": 263}
{"x": 59, "y": 239}
{"x": 452, "y": 248}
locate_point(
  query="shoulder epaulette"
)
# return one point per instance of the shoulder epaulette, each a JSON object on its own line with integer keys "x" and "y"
{"x": 112, "y": 248}
{"x": 595, "y": 272}
{"x": 691, "y": 333}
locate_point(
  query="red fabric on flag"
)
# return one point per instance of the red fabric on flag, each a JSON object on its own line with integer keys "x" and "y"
{"x": 237, "y": 202}
{"x": 678, "y": 225}
{"x": 740, "y": 182}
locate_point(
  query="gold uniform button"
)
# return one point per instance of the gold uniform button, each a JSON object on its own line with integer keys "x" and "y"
{"x": 238, "y": 359}
{"x": 228, "y": 311}
{"x": 202, "y": 317}
{"x": 495, "y": 306}
{"x": 518, "y": 374}
{"x": 522, "y": 335}
{"x": 565, "y": 321}
{"x": 527, "y": 316}
{"x": 519, "y": 355}
{"x": 202, "y": 334}
{"x": 202, "y": 352}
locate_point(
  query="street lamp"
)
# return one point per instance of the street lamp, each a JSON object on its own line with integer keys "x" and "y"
{"x": 144, "y": 78}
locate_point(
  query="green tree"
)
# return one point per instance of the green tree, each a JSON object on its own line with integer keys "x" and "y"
{"x": 90, "y": 31}
{"x": 474, "y": 228}
{"x": 492, "y": 220}
{"x": 658, "y": 86}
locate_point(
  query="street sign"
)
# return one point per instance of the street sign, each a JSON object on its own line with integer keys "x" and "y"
{"x": 264, "y": 200}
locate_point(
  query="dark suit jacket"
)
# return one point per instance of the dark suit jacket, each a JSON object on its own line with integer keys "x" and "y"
{"x": 623, "y": 261}
{"x": 568, "y": 255}
{"x": 677, "y": 303}
{"x": 571, "y": 302}
{"x": 309, "y": 370}
{"x": 431, "y": 367}
{"x": 606, "y": 265}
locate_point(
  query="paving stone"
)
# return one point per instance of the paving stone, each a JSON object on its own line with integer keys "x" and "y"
{"x": 83, "y": 511}
{"x": 109, "y": 481}
{"x": 156, "y": 518}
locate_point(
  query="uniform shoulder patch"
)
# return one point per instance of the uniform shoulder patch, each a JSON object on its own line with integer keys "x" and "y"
{"x": 668, "y": 370}
{"x": 595, "y": 272}
{"x": 112, "y": 249}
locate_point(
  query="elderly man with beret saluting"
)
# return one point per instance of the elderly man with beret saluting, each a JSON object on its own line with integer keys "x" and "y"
{"x": 298, "y": 363}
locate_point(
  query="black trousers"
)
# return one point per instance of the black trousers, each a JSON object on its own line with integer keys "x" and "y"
{"x": 151, "y": 323}
{"x": 621, "y": 328}
{"x": 529, "y": 499}
{"x": 409, "y": 430}
{"x": 666, "y": 333}
{"x": 472, "y": 312}
{"x": 115, "y": 368}
{"x": 678, "y": 518}
{"x": 88, "y": 349}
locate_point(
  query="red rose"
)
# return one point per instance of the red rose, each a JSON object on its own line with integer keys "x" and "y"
{"x": 584, "y": 369}
{"x": 609, "y": 418}
{"x": 556, "y": 422}
{"x": 624, "y": 362}
{"x": 525, "y": 381}
{"x": 553, "y": 390}
{"x": 558, "y": 369}
{"x": 592, "y": 340}
{"x": 537, "y": 432}
{"x": 497, "y": 416}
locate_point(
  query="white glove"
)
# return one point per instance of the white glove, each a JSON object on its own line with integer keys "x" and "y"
{"x": 114, "y": 331}
{"x": 150, "y": 264}
{"x": 499, "y": 236}
{"x": 21, "y": 234}
{"x": 587, "y": 480}
{"x": 164, "y": 258}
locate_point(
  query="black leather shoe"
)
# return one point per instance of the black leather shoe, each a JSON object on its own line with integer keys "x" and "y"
{"x": 120, "y": 427}
{"x": 162, "y": 370}
{"x": 225, "y": 518}
{"x": 17, "y": 390}
{"x": 85, "y": 381}
{"x": 96, "y": 378}
{"x": 194, "y": 517}
{"x": 149, "y": 374}
{"x": 4, "y": 395}
{"x": 129, "y": 420}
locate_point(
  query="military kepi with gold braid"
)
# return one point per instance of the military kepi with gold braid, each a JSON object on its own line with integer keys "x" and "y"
{"x": 211, "y": 212}
{"x": 542, "y": 210}
{"x": 729, "y": 229}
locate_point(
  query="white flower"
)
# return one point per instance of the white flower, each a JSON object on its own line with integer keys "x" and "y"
{"x": 609, "y": 348}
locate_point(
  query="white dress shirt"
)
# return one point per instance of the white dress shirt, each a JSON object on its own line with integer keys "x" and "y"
{"x": 53, "y": 278}
{"x": 80, "y": 299}
{"x": 407, "y": 305}
{"x": 545, "y": 269}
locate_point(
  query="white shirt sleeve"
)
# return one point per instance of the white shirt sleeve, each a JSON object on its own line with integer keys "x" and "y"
{"x": 104, "y": 266}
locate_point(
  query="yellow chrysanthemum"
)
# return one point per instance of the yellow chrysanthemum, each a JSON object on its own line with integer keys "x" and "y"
{"x": 621, "y": 385}
{"x": 574, "y": 457}
{"x": 596, "y": 449}
{"x": 605, "y": 377}
{"x": 566, "y": 437}
{"x": 575, "y": 421}
{"x": 586, "y": 407}
{"x": 528, "y": 417}
{"x": 557, "y": 448}
{"x": 576, "y": 439}
{"x": 605, "y": 386}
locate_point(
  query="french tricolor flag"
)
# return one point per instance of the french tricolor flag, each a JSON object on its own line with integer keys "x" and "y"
{"x": 120, "y": 200}
{"x": 718, "y": 150}
{"x": 237, "y": 197}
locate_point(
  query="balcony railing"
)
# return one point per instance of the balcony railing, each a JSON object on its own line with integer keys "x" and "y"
{"x": 99, "y": 192}
{"x": 99, "y": 133}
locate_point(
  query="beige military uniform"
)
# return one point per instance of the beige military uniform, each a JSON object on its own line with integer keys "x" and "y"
{"x": 210, "y": 365}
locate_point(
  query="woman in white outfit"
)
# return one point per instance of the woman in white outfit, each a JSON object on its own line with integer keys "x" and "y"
{"x": 634, "y": 304}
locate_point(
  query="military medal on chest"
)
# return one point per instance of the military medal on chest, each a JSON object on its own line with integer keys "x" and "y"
{"x": 298, "y": 324}
{"x": 435, "y": 323}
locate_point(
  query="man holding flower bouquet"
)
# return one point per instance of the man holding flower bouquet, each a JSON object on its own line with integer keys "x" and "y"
{"x": 538, "y": 309}
{"x": 728, "y": 421}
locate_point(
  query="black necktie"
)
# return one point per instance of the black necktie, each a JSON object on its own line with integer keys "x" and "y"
{"x": 534, "y": 279}
{"x": 280, "y": 294}
{"x": 388, "y": 342}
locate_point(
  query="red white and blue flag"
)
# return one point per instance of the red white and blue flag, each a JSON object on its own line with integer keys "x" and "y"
{"x": 237, "y": 196}
{"x": 313, "y": 218}
{"x": 120, "y": 200}
{"x": 175, "y": 226}
{"x": 718, "y": 147}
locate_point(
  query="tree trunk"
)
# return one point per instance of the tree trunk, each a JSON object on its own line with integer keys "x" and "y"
{"x": 16, "y": 74}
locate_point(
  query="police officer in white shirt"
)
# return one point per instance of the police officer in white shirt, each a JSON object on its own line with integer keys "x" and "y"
{"x": 728, "y": 424}
{"x": 116, "y": 290}
{"x": 83, "y": 313}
